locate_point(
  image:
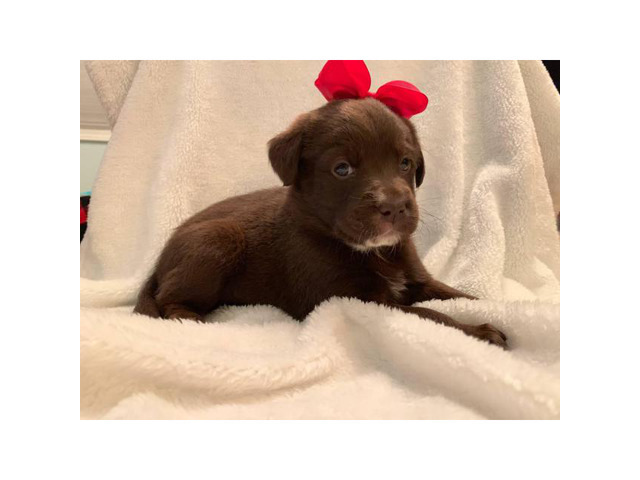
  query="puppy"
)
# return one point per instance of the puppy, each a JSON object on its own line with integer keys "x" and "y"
{"x": 341, "y": 226}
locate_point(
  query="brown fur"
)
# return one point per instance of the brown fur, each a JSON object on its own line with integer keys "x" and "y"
{"x": 319, "y": 236}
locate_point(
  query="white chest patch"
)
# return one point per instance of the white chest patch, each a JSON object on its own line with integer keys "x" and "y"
{"x": 397, "y": 285}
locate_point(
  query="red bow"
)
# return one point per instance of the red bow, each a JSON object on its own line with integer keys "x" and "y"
{"x": 350, "y": 79}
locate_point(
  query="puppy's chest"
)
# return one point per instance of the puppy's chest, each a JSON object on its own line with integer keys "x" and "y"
{"x": 394, "y": 284}
{"x": 389, "y": 277}
{"x": 369, "y": 280}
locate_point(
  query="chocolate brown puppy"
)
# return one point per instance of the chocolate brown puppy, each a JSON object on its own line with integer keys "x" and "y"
{"x": 341, "y": 226}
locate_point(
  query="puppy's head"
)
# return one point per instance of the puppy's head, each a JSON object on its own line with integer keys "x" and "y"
{"x": 355, "y": 165}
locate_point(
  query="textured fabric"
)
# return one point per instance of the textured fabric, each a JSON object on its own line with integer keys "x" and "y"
{"x": 187, "y": 134}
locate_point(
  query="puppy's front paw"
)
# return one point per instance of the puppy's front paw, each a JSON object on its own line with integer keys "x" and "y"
{"x": 489, "y": 333}
{"x": 178, "y": 312}
{"x": 186, "y": 316}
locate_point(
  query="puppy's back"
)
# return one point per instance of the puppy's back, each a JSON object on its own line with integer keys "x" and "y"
{"x": 259, "y": 205}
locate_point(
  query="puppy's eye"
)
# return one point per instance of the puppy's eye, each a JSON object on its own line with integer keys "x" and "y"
{"x": 405, "y": 164}
{"x": 343, "y": 169}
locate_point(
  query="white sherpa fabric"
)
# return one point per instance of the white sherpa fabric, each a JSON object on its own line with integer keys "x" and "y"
{"x": 187, "y": 134}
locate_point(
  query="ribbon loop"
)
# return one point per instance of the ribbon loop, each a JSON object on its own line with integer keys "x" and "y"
{"x": 403, "y": 98}
{"x": 344, "y": 79}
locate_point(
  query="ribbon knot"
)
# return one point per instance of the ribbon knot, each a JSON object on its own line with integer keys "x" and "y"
{"x": 340, "y": 79}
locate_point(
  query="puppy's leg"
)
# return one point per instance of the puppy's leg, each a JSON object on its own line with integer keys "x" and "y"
{"x": 435, "y": 290}
{"x": 424, "y": 289}
{"x": 485, "y": 331}
{"x": 194, "y": 266}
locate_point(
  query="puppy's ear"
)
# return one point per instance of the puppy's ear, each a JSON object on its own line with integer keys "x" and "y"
{"x": 420, "y": 171}
{"x": 420, "y": 166}
{"x": 285, "y": 151}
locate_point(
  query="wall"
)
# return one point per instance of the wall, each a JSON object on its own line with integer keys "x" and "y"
{"x": 90, "y": 157}
{"x": 94, "y": 132}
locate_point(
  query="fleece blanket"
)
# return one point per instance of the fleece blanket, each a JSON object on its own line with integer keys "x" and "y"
{"x": 187, "y": 134}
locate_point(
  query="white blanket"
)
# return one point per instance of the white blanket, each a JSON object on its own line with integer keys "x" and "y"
{"x": 187, "y": 134}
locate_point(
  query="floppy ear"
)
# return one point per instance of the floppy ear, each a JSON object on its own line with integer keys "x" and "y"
{"x": 285, "y": 151}
{"x": 420, "y": 171}
{"x": 420, "y": 166}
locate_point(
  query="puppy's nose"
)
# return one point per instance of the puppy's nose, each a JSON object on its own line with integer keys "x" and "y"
{"x": 391, "y": 210}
